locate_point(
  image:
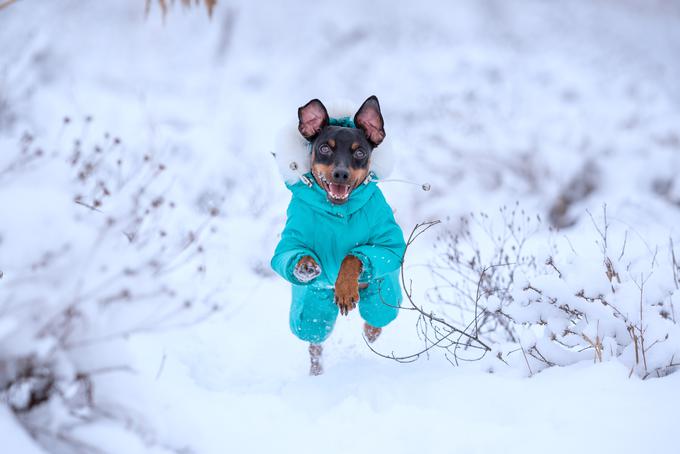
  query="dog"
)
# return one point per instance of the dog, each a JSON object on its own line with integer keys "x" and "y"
{"x": 341, "y": 246}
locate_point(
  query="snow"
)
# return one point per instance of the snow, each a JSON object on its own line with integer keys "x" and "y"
{"x": 13, "y": 437}
{"x": 487, "y": 102}
{"x": 264, "y": 401}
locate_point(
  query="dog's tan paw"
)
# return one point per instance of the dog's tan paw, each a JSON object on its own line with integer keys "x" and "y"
{"x": 347, "y": 284}
{"x": 371, "y": 333}
{"x": 346, "y": 297}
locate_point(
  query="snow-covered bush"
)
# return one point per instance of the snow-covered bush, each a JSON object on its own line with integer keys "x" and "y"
{"x": 613, "y": 299}
{"x": 534, "y": 299}
{"x": 476, "y": 263}
{"x": 95, "y": 245}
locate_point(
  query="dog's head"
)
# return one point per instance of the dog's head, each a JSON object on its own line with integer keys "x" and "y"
{"x": 341, "y": 156}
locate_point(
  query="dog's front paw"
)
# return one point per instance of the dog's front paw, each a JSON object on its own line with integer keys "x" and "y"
{"x": 346, "y": 295}
{"x": 306, "y": 269}
{"x": 347, "y": 284}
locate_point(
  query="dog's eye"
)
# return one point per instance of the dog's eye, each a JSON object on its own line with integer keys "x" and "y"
{"x": 359, "y": 154}
{"x": 325, "y": 149}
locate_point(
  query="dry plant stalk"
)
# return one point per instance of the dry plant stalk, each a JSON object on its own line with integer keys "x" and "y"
{"x": 163, "y": 4}
{"x": 597, "y": 346}
{"x": 6, "y": 3}
{"x": 434, "y": 330}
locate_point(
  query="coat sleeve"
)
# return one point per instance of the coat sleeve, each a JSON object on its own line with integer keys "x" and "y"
{"x": 385, "y": 248}
{"x": 293, "y": 244}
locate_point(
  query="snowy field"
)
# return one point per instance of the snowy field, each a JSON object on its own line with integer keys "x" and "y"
{"x": 140, "y": 206}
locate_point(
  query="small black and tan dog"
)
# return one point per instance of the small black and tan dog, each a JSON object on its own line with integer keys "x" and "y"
{"x": 341, "y": 246}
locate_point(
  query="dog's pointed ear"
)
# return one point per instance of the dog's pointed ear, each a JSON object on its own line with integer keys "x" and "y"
{"x": 312, "y": 118}
{"x": 370, "y": 120}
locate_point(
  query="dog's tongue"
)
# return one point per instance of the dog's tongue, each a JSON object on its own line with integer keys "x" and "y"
{"x": 338, "y": 190}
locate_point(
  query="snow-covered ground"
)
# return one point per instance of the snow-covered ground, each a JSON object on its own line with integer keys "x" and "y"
{"x": 561, "y": 106}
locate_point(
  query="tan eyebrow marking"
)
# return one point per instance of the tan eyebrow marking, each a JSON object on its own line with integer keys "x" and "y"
{"x": 331, "y": 142}
{"x": 354, "y": 146}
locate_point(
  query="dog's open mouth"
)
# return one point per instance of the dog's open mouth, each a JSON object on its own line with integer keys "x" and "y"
{"x": 338, "y": 193}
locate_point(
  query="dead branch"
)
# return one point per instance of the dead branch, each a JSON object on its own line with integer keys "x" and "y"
{"x": 435, "y": 331}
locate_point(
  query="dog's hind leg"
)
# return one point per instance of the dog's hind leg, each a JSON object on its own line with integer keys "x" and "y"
{"x": 371, "y": 332}
{"x": 315, "y": 356}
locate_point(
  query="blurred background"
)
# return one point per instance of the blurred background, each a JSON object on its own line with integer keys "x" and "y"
{"x": 532, "y": 99}
{"x": 140, "y": 204}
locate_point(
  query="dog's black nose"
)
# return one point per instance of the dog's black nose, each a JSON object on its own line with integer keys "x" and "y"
{"x": 341, "y": 175}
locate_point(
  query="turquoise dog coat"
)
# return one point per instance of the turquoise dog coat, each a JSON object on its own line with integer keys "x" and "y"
{"x": 364, "y": 227}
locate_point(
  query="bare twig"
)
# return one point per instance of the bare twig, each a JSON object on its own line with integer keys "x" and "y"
{"x": 435, "y": 331}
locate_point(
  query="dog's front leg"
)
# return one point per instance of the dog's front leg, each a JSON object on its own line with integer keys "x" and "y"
{"x": 347, "y": 284}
